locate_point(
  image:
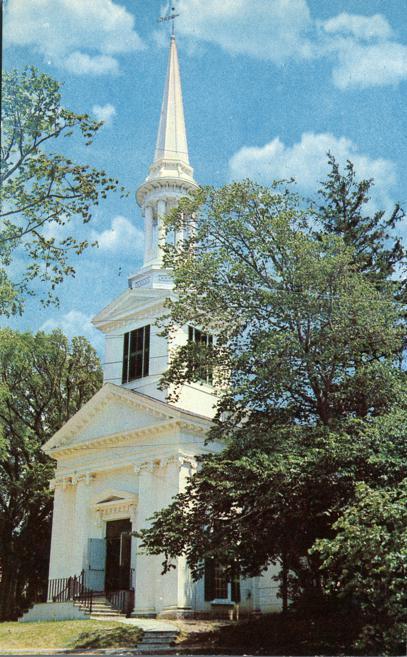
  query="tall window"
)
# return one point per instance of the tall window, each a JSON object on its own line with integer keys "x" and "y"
{"x": 217, "y": 585}
{"x": 136, "y": 352}
{"x": 220, "y": 583}
{"x": 203, "y": 371}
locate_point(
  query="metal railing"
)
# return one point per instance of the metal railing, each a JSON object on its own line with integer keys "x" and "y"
{"x": 65, "y": 589}
{"x": 122, "y": 600}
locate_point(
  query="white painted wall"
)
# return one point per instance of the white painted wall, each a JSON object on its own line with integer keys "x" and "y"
{"x": 194, "y": 397}
{"x": 49, "y": 611}
{"x": 147, "y": 470}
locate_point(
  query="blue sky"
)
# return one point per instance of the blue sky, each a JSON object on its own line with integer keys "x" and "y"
{"x": 269, "y": 87}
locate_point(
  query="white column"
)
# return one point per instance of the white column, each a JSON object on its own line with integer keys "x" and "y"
{"x": 60, "y": 531}
{"x": 161, "y": 212}
{"x": 177, "y": 583}
{"x": 144, "y": 575}
{"x": 256, "y": 594}
{"x": 185, "y": 583}
{"x": 133, "y": 547}
{"x": 180, "y": 235}
{"x": 148, "y": 233}
{"x": 80, "y": 525}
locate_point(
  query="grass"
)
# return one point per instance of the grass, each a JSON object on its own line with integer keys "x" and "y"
{"x": 68, "y": 634}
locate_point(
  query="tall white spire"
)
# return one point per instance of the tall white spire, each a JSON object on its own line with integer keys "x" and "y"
{"x": 172, "y": 137}
{"x": 171, "y": 152}
{"x": 170, "y": 176}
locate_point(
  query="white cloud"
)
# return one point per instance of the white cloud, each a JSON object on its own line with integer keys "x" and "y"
{"x": 267, "y": 29}
{"x": 80, "y": 35}
{"x": 81, "y": 63}
{"x": 365, "y": 66}
{"x": 75, "y": 323}
{"x": 362, "y": 50}
{"x": 122, "y": 237}
{"x": 361, "y": 27}
{"x": 104, "y": 113}
{"x": 306, "y": 161}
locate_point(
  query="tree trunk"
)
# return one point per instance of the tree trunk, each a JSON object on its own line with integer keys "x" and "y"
{"x": 8, "y": 587}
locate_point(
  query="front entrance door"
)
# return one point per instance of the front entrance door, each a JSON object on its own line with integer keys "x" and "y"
{"x": 118, "y": 555}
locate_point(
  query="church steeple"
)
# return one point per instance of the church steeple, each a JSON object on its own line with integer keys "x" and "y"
{"x": 170, "y": 176}
{"x": 172, "y": 137}
{"x": 137, "y": 354}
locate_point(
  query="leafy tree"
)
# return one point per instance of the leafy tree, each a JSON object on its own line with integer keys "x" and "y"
{"x": 44, "y": 380}
{"x": 343, "y": 209}
{"x": 366, "y": 562}
{"x": 301, "y": 334}
{"x": 304, "y": 357}
{"x": 269, "y": 498}
{"x": 41, "y": 189}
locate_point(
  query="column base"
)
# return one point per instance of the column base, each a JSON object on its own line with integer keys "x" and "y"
{"x": 176, "y": 612}
{"x": 143, "y": 612}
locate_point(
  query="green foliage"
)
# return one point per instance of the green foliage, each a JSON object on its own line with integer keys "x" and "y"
{"x": 343, "y": 209}
{"x": 41, "y": 189}
{"x": 264, "y": 496}
{"x": 366, "y": 561}
{"x": 301, "y": 334}
{"x": 44, "y": 380}
{"x": 309, "y": 325}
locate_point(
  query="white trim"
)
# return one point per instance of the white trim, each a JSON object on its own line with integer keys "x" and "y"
{"x": 109, "y": 393}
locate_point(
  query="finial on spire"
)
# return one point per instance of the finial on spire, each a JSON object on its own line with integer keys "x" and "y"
{"x": 170, "y": 16}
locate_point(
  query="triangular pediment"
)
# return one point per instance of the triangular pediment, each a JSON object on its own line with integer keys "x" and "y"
{"x": 132, "y": 304}
{"x": 115, "y": 413}
{"x": 113, "y": 495}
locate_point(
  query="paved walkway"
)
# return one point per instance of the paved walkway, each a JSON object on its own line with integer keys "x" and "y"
{"x": 146, "y": 624}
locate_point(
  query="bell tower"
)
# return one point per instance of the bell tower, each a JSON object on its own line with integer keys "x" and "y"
{"x": 136, "y": 354}
{"x": 170, "y": 177}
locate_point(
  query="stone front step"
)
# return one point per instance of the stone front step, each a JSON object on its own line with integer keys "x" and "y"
{"x": 106, "y": 614}
{"x": 98, "y": 605}
{"x": 101, "y": 608}
{"x": 165, "y": 634}
{"x": 154, "y": 649}
{"x": 157, "y": 640}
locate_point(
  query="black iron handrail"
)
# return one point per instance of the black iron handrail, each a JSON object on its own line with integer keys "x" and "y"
{"x": 122, "y": 600}
{"x": 65, "y": 589}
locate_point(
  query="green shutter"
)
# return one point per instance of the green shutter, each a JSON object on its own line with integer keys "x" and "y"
{"x": 125, "y": 372}
{"x": 209, "y": 579}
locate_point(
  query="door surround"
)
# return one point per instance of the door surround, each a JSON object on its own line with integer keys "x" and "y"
{"x": 113, "y": 504}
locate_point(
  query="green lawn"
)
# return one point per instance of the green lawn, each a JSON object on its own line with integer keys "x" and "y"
{"x": 68, "y": 634}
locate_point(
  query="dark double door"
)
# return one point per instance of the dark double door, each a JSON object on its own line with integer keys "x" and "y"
{"x": 118, "y": 555}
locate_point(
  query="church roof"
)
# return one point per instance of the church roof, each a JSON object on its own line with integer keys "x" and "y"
{"x": 172, "y": 137}
{"x": 130, "y": 305}
{"x": 73, "y": 434}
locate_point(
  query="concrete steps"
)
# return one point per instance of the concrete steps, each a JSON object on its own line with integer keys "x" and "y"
{"x": 157, "y": 641}
{"x": 101, "y": 608}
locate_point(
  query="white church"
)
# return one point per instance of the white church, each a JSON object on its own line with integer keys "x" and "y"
{"x": 128, "y": 451}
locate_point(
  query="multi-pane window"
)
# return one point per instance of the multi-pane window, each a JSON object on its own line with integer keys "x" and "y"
{"x": 203, "y": 371}
{"x": 217, "y": 585}
{"x": 220, "y": 583}
{"x": 136, "y": 352}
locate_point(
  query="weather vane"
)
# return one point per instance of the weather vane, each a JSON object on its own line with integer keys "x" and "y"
{"x": 171, "y": 16}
